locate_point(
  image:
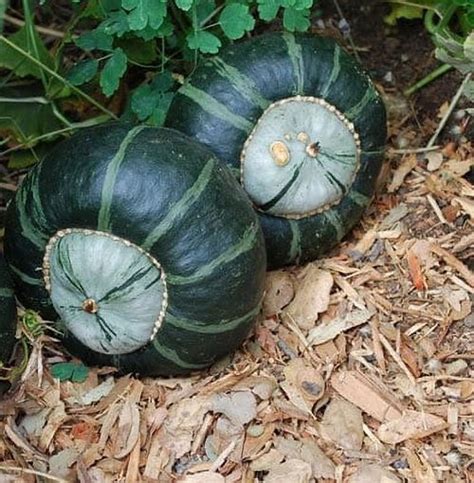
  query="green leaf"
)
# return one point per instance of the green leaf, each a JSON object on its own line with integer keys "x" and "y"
{"x": 203, "y": 41}
{"x": 268, "y": 9}
{"x": 184, "y": 4}
{"x": 25, "y": 115}
{"x": 69, "y": 371}
{"x": 96, "y": 39}
{"x": 116, "y": 24}
{"x": 296, "y": 20}
{"x": 235, "y": 20}
{"x": 18, "y": 63}
{"x": 403, "y": 11}
{"x": 113, "y": 71}
{"x": 3, "y": 8}
{"x": 145, "y": 12}
{"x": 153, "y": 100}
{"x": 83, "y": 72}
{"x": 137, "y": 50}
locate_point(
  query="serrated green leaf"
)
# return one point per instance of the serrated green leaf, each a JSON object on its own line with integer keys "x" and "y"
{"x": 145, "y": 12}
{"x": 96, "y": 39}
{"x": 235, "y": 20}
{"x": 203, "y": 41}
{"x": 268, "y": 9}
{"x": 83, "y": 72}
{"x": 116, "y": 24}
{"x": 69, "y": 371}
{"x": 113, "y": 71}
{"x": 296, "y": 20}
{"x": 18, "y": 63}
{"x": 150, "y": 102}
{"x": 184, "y": 4}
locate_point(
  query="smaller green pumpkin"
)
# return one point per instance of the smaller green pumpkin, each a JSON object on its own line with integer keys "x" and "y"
{"x": 304, "y": 129}
{"x": 142, "y": 245}
{"x": 7, "y": 318}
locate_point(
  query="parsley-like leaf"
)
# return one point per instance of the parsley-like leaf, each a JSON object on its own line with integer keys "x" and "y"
{"x": 203, "y": 41}
{"x": 113, "y": 71}
{"x": 235, "y": 20}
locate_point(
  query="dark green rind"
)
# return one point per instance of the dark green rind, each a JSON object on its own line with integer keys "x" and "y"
{"x": 164, "y": 179}
{"x": 7, "y": 318}
{"x": 280, "y": 66}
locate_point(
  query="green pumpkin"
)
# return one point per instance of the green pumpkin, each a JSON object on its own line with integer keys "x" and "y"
{"x": 143, "y": 244}
{"x": 7, "y": 318}
{"x": 304, "y": 129}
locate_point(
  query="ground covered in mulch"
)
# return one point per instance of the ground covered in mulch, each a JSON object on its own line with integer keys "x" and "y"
{"x": 360, "y": 367}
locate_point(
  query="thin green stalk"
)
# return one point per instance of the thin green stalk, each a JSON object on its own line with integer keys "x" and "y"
{"x": 59, "y": 77}
{"x": 438, "y": 72}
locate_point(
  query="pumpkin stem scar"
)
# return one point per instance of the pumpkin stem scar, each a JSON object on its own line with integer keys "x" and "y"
{"x": 90, "y": 306}
{"x": 130, "y": 289}
{"x": 313, "y": 149}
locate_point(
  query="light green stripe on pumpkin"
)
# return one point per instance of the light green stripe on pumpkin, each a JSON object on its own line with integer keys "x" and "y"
{"x": 178, "y": 210}
{"x": 295, "y": 248}
{"x": 243, "y": 245}
{"x": 210, "y": 328}
{"x": 358, "y": 198}
{"x": 296, "y": 55}
{"x": 369, "y": 96}
{"x": 242, "y": 84}
{"x": 26, "y": 278}
{"x": 110, "y": 178}
{"x": 336, "y": 67}
{"x": 33, "y": 226}
{"x": 212, "y": 106}
{"x": 173, "y": 356}
{"x": 6, "y": 292}
{"x": 336, "y": 223}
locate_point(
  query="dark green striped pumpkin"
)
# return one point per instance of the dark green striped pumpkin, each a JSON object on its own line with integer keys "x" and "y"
{"x": 145, "y": 246}
{"x": 7, "y": 318}
{"x": 304, "y": 129}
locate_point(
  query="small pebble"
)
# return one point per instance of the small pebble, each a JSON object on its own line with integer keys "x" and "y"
{"x": 456, "y": 367}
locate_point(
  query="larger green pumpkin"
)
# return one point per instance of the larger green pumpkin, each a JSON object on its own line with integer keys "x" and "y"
{"x": 143, "y": 244}
{"x": 7, "y": 318}
{"x": 303, "y": 127}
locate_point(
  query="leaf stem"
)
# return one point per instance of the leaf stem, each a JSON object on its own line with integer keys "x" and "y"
{"x": 438, "y": 72}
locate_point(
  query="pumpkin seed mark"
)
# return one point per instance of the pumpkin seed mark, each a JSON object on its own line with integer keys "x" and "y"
{"x": 178, "y": 210}
{"x": 271, "y": 203}
{"x": 296, "y": 57}
{"x": 215, "y": 108}
{"x": 245, "y": 244}
{"x": 336, "y": 67}
{"x": 138, "y": 275}
{"x": 243, "y": 84}
{"x": 110, "y": 178}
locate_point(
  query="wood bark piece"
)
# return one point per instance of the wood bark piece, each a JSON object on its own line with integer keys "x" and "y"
{"x": 368, "y": 394}
{"x": 411, "y": 425}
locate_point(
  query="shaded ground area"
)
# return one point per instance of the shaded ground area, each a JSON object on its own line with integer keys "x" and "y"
{"x": 360, "y": 368}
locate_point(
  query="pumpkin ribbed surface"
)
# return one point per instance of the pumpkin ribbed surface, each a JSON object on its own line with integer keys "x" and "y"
{"x": 142, "y": 245}
{"x": 304, "y": 129}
